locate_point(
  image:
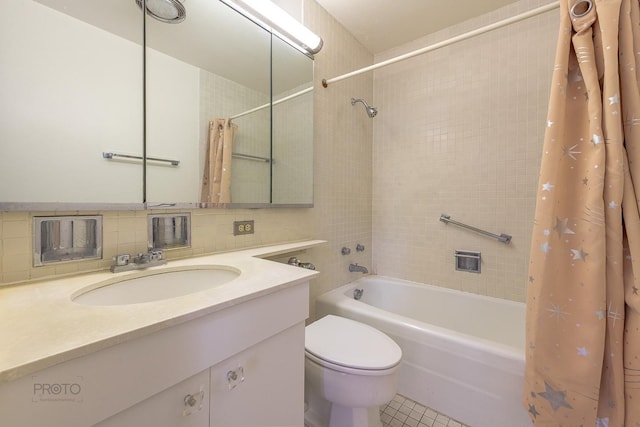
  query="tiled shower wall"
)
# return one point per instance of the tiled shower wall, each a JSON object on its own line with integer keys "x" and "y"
{"x": 460, "y": 132}
{"x": 342, "y": 187}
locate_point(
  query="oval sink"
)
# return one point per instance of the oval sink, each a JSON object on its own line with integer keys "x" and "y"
{"x": 155, "y": 286}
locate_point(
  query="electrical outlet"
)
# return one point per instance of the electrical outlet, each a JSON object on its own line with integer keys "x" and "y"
{"x": 242, "y": 227}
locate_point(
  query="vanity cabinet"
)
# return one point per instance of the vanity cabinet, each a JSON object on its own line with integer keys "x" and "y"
{"x": 266, "y": 389}
{"x": 242, "y": 365}
{"x": 173, "y": 407}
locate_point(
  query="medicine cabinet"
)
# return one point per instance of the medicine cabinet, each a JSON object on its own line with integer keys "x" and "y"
{"x": 85, "y": 92}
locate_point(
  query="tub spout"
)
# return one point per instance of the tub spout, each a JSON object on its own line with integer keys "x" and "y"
{"x": 356, "y": 267}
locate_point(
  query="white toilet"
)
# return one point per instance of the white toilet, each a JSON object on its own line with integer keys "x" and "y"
{"x": 350, "y": 370}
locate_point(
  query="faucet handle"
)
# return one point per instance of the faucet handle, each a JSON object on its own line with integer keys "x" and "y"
{"x": 122, "y": 259}
{"x": 156, "y": 254}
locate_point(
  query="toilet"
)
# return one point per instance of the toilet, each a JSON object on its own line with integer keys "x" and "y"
{"x": 350, "y": 370}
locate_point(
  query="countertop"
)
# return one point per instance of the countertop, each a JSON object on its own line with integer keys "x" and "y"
{"x": 41, "y": 326}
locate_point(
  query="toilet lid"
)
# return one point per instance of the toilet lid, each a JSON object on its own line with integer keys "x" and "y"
{"x": 352, "y": 344}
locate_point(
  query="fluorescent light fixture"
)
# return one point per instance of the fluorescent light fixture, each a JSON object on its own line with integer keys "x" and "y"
{"x": 271, "y": 16}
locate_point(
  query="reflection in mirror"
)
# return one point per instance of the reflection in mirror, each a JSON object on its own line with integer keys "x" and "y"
{"x": 292, "y": 145}
{"x": 71, "y": 88}
{"x": 213, "y": 65}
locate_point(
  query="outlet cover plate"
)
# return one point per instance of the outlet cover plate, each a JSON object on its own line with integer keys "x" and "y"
{"x": 242, "y": 227}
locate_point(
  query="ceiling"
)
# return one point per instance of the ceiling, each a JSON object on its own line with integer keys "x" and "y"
{"x": 383, "y": 24}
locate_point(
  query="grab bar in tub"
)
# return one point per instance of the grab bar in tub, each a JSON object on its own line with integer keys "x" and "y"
{"x": 504, "y": 238}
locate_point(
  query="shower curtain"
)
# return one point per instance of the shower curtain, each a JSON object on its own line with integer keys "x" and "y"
{"x": 583, "y": 321}
{"x": 216, "y": 182}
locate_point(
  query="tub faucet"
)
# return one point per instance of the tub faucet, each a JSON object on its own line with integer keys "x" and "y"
{"x": 356, "y": 267}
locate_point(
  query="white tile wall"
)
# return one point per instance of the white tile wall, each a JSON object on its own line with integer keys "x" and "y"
{"x": 460, "y": 131}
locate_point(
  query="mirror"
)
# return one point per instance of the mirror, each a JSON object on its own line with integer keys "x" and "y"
{"x": 72, "y": 89}
{"x": 69, "y": 91}
{"x": 292, "y": 128}
{"x": 272, "y": 160}
{"x": 213, "y": 65}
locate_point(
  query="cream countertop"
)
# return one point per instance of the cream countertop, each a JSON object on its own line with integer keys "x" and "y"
{"x": 41, "y": 326}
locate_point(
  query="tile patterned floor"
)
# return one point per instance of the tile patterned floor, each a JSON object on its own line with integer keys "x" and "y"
{"x": 403, "y": 412}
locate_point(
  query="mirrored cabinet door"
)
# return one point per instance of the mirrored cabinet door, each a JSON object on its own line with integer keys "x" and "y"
{"x": 70, "y": 90}
{"x": 207, "y": 78}
{"x": 292, "y": 133}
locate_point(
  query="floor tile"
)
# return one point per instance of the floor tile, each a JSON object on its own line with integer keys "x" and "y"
{"x": 403, "y": 412}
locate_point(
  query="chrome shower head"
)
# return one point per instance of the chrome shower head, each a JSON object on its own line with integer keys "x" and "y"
{"x": 371, "y": 111}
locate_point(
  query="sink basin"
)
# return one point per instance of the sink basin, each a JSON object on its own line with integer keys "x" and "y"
{"x": 156, "y": 286}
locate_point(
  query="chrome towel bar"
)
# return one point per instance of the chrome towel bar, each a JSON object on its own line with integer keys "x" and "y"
{"x": 251, "y": 157}
{"x": 504, "y": 238}
{"x": 129, "y": 156}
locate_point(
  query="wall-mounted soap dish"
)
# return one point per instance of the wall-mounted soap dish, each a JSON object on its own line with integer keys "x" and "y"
{"x": 169, "y": 231}
{"x": 66, "y": 238}
{"x": 469, "y": 261}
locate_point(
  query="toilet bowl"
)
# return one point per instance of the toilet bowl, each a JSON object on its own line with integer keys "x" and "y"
{"x": 350, "y": 370}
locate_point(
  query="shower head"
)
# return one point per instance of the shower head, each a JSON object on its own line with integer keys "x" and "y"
{"x": 169, "y": 11}
{"x": 371, "y": 111}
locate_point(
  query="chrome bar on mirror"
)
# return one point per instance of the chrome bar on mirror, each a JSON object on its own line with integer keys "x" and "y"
{"x": 504, "y": 238}
{"x": 251, "y": 157}
{"x": 108, "y": 155}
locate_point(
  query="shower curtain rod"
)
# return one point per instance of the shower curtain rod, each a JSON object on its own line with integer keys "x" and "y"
{"x": 455, "y": 39}
{"x": 286, "y": 98}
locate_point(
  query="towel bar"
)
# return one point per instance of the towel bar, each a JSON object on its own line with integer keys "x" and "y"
{"x": 129, "y": 156}
{"x": 252, "y": 157}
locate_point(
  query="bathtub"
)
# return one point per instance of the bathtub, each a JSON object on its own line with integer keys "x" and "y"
{"x": 463, "y": 354}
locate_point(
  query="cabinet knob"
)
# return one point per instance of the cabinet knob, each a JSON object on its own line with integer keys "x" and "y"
{"x": 189, "y": 400}
{"x": 234, "y": 377}
{"x": 193, "y": 402}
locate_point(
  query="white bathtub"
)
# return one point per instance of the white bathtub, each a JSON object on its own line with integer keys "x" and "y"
{"x": 463, "y": 354}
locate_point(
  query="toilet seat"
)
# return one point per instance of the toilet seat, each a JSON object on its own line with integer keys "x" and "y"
{"x": 348, "y": 346}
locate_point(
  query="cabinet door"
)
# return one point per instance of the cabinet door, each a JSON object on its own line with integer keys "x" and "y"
{"x": 263, "y": 385}
{"x": 184, "y": 405}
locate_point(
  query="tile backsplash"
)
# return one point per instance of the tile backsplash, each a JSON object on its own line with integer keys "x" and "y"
{"x": 126, "y": 232}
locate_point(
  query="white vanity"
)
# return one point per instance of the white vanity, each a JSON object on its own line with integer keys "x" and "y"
{"x": 231, "y": 355}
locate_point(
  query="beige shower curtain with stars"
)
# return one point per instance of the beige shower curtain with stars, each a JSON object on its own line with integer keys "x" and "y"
{"x": 583, "y": 321}
{"x": 216, "y": 182}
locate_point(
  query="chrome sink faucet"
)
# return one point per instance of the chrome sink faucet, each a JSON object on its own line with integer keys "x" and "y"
{"x": 122, "y": 262}
{"x": 358, "y": 268}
